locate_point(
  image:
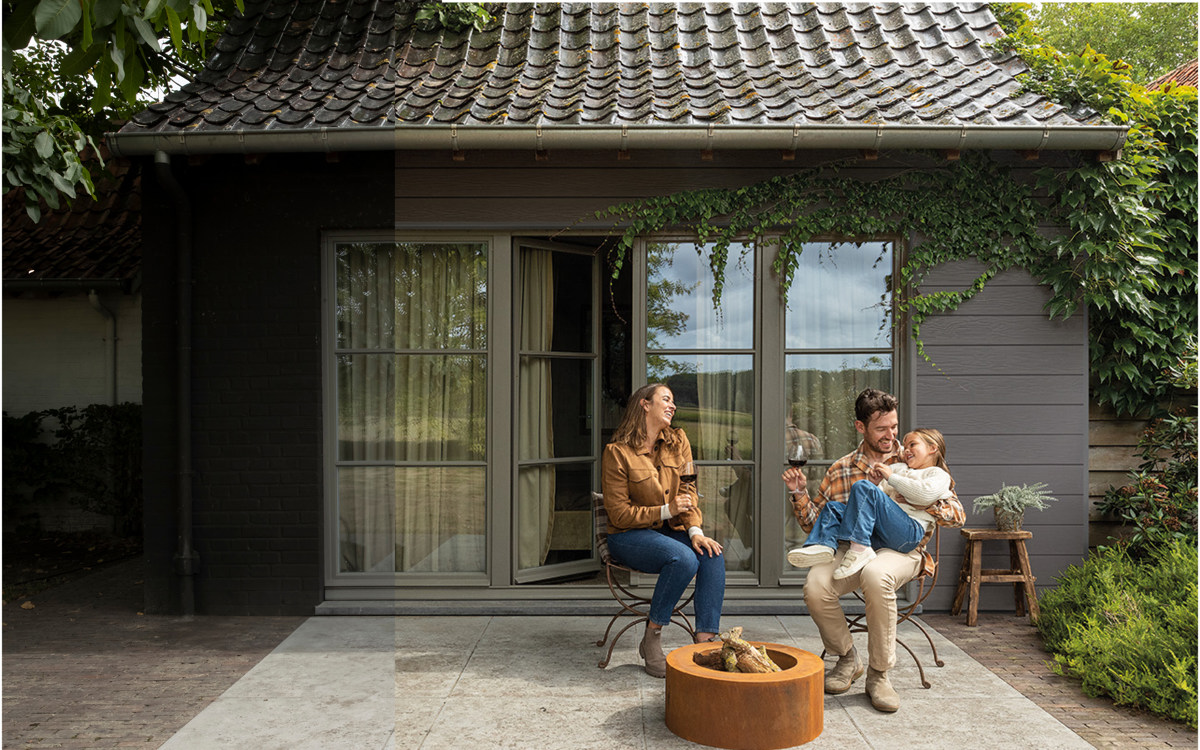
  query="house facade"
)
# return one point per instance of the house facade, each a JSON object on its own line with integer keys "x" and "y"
{"x": 388, "y": 344}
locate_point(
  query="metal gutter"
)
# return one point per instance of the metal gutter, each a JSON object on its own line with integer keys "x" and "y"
{"x": 64, "y": 285}
{"x": 626, "y": 137}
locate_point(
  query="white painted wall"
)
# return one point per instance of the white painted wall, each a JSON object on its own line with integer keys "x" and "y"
{"x": 56, "y": 352}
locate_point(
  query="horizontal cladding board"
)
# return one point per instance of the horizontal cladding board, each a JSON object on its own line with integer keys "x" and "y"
{"x": 974, "y": 479}
{"x": 978, "y": 390}
{"x": 1015, "y": 449}
{"x": 1068, "y": 510}
{"x": 1006, "y": 330}
{"x": 1105, "y": 432}
{"x": 960, "y": 274}
{"x": 949, "y": 360}
{"x": 1016, "y": 418}
{"x": 1114, "y": 458}
{"x": 1025, "y": 300}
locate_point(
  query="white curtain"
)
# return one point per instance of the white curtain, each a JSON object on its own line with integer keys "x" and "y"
{"x": 536, "y": 484}
{"x": 411, "y": 397}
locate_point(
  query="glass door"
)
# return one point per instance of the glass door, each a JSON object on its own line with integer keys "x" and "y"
{"x": 557, "y": 436}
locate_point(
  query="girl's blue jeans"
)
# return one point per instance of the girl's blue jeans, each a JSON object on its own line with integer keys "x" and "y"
{"x": 669, "y": 553}
{"x": 868, "y": 517}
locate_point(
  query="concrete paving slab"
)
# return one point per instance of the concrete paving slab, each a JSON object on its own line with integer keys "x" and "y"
{"x": 428, "y": 683}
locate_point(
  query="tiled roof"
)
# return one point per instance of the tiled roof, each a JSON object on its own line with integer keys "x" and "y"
{"x": 317, "y": 64}
{"x": 1184, "y": 75}
{"x": 91, "y": 239}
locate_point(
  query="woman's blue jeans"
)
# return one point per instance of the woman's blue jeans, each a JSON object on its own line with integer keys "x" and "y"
{"x": 868, "y": 517}
{"x": 669, "y": 553}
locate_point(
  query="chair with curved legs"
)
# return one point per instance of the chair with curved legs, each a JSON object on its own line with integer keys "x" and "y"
{"x": 617, "y": 576}
{"x": 925, "y": 582}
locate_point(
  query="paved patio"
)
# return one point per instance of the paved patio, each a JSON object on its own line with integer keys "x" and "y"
{"x": 532, "y": 682}
{"x": 84, "y": 669}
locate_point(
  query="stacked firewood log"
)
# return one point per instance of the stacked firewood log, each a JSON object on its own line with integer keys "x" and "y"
{"x": 736, "y": 655}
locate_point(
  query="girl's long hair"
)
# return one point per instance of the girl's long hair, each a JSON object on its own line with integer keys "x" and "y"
{"x": 934, "y": 439}
{"x": 631, "y": 431}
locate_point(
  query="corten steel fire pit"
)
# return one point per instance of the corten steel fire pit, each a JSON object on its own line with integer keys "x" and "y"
{"x": 746, "y": 711}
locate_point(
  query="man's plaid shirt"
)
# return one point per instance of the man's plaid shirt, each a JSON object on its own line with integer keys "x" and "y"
{"x": 842, "y": 475}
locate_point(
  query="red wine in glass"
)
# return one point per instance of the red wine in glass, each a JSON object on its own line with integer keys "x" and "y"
{"x": 689, "y": 473}
{"x": 796, "y": 456}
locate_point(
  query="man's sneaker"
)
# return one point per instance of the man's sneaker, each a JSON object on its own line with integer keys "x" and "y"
{"x": 853, "y": 562}
{"x": 840, "y": 675}
{"x": 813, "y": 554}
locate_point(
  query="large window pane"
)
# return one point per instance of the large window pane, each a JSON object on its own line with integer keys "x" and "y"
{"x": 416, "y": 407}
{"x": 839, "y": 298}
{"x": 727, "y": 504}
{"x": 714, "y": 400}
{"x": 548, "y": 534}
{"x": 411, "y": 296}
{"x": 679, "y": 306}
{"x": 820, "y": 393}
{"x": 555, "y": 421}
{"x": 414, "y": 519}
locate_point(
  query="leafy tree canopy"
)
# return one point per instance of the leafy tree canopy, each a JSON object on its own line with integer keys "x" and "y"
{"x": 1151, "y": 38}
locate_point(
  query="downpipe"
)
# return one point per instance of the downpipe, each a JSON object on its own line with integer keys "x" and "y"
{"x": 186, "y": 558}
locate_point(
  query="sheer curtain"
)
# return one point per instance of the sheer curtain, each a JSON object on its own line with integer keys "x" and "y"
{"x": 405, "y": 396}
{"x": 536, "y": 484}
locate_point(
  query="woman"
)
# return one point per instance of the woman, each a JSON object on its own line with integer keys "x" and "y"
{"x": 654, "y": 523}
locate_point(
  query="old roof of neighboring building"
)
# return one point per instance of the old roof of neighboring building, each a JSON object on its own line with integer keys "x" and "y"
{"x": 321, "y": 75}
{"x": 1184, "y": 75}
{"x": 89, "y": 241}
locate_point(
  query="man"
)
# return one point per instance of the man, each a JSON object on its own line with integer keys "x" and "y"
{"x": 877, "y": 422}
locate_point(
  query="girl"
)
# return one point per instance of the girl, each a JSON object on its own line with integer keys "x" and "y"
{"x": 890, "y": 515}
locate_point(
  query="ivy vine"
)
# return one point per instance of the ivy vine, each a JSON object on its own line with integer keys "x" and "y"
{"x": 1128, "y": 257}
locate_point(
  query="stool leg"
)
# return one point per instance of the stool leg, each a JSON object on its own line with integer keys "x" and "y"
{"x": 976, "y": 563}
{"x": 1027, "y": 571}
{"x": 964, "y": 580}
{"x": 1014, "y": 566}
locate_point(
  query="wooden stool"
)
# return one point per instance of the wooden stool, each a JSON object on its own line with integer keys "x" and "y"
{"x": 1019, "y": 573}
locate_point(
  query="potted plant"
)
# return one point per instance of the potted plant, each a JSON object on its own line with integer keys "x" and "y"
{"x": 1009, "y": 503}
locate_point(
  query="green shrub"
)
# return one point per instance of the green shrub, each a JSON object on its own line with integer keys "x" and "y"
{"x": 1126, "y": 627}
{"x": 94, "y": 459}
{"x": 1160, "y": 502}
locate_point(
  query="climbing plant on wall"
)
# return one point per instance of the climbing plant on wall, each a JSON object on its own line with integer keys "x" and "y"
{"x": 1128, "y": 257}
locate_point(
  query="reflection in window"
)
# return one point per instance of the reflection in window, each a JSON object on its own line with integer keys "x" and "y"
{"x": 838, "y": 342}
{"x": 707, "y": 358}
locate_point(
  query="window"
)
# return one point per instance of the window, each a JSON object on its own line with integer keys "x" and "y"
{"x": 411, "y": 340}
{"x": 838, "y": 341}
{"x": 707, "y": 358}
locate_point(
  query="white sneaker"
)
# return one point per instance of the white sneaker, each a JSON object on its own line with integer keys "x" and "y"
{"x": 813, "y": 554}
{"x": 853, "y": 562}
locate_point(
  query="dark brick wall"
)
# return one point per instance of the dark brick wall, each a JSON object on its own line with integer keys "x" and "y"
{"x": 256, "y": 364}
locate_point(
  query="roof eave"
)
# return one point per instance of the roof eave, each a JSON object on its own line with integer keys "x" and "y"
{"x": 627, "y": 137}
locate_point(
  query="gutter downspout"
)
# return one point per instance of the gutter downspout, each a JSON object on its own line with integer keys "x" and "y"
{"x": 185, "y": 554}
{"x": 99, "y": 307}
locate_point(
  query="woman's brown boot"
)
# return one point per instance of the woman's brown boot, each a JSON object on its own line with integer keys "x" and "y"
{"x": 650, "y": 649}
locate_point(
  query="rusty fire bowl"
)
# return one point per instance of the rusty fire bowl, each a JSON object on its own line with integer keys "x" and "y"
{"x": 741, "y": 711}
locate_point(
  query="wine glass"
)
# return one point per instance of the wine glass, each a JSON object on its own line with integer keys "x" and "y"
{"x": 796, "y": 456}
{"x": 687, "y": 475}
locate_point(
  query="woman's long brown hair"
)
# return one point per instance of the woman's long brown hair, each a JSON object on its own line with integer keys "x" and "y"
{"x": 631, "y": 431}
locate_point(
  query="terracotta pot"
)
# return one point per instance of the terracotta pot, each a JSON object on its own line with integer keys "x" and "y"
{"x": 746, "y": 711}
{"x": 1007, "y": 520}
